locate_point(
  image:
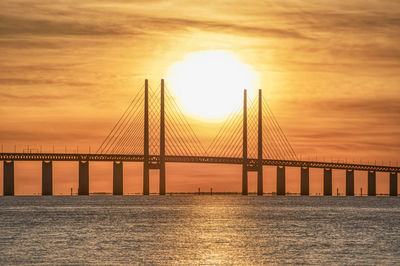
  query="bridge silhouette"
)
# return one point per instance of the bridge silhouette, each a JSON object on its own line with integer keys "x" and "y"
{"x": 154, "y": 130}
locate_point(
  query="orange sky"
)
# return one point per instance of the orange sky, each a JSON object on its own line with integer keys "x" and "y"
{"x": 329, "y": 70}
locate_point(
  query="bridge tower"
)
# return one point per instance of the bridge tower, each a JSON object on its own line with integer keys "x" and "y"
{"x": 260, "y": 190}
{"x": 148, "y": 162}
{"x": 146, "y": 169}
{"x": 252, "y": 166}
{"x": 244, "y": 147}
{"x": 162, "y": 141}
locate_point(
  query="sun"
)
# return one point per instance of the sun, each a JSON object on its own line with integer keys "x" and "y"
{"x": 209, "y": 84}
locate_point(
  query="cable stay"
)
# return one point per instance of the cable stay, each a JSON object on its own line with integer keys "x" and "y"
{"x": 129, "y": 120}
{"x": 227, "y": 142}
{"x": 179, "y": 134}
{"x": 277, "y": 144}
{"x": 127, "y": 135}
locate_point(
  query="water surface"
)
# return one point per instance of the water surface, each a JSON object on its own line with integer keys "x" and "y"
{"x": 199, "y": 230}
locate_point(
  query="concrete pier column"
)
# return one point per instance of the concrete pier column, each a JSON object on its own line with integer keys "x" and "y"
{"x": 146, "y": 170}
{"x": 47, "y": 178}
{"x": 118, "y": 178}
{"x": 304, "y": 181}
{"x": 244, "y": 180}
{"x": 327, "y": 182}
{"x": 83, "y": 178}
{"x": 349, "y": 182}
{"x": 260, "y": 183}
{"x": 162, "y": 179}
{"x": 393, "y": 184}
{"x": 8, "y": 178}
{"x": 146, "y": 180}
{"x": 371, "y": 183}
{"x": 280, "y": 180}
{"x": 244, "y": 146}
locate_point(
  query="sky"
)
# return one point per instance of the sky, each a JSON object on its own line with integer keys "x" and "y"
{"x": 328, "y": 69}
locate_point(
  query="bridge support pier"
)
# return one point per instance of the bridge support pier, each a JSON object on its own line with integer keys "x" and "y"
{"x": 47, "y": 178}
{"x": 146, "y": 181}
{"x": 349, "y": 182}
{"x": 371, "y": 183}
{"x": 260, "y": 183}
{"x": 328, "y": 182}
{"x": 244, "y": 179}
{"x": 8, "y": 178}
{"x": 305, "y": 181}
{"x": 280, "y": 181}
{"x": 118, "y": 187}
{"x": 83, "y": 188}
{"x": 393, "y": 184}
{"x": 162, "y": 179}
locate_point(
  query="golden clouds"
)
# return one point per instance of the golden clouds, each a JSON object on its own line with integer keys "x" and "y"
{"x": 86, "y": 59}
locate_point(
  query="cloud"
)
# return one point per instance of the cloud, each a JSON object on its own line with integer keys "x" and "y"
{"x": 29, "y": 44}
{"x": 38, "y": 66}
{"x": 365, "y": 108}
{"x": 14, "y": 26}
{"x": 92, "y": 40}
{"x": 174, "y": 24}
{"x": 362, "y": 21}
{"x": 50, "y": 133}
{"x": 39, "y": 81}
{"x": 132, "y": 25}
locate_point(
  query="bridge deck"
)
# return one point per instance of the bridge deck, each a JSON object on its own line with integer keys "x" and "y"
{"x": 188, "y": 159}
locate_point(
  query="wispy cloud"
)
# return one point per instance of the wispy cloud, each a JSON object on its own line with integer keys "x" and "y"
{"x": 31, "y": 81}
{"x": 88, "y": 51}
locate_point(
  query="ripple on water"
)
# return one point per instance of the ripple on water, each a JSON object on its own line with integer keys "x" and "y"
{"x": 199, "y": 229}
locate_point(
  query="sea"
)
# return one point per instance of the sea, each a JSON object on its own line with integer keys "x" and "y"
{"x": 199, "y": 229}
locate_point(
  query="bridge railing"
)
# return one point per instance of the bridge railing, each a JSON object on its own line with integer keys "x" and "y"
{"x": 190, "y": 159}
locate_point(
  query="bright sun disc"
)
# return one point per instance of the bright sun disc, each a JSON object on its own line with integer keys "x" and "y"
{"x": 210, "y": 84}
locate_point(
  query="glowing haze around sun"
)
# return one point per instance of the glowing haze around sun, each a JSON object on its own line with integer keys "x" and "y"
{"x": 209, "y": 84}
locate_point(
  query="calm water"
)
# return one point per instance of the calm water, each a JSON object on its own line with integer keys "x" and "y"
{"x": 199, "y": 230}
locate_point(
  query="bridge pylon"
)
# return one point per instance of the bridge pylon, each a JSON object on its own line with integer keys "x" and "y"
{"x": 146, "y": 168}
{"x": 152, "y": 162}
{"x": 244, "y": 147}
{"x": 162, "y": 141}
{"x": 260, "y": 190}
{"x": 255, "y": 166}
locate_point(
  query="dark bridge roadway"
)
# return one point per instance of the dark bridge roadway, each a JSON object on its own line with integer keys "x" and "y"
{"x": 188, "y": 159}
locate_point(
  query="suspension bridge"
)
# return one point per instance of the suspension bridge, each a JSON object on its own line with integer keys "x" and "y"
{"x": 153, "y": 130}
